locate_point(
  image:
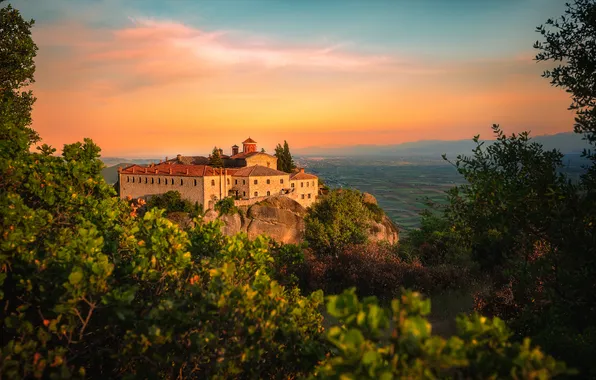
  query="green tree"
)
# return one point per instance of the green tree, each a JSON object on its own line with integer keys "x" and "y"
{"x": 215, "y": 159}
{"x": 285, "y": 162}
{"x": 226, "y": 206}
{"x": 170, "y": 201}
{"x": 339, "y": 220}
{"x": 571, "y": 40}
{"x": 17, "y": 53}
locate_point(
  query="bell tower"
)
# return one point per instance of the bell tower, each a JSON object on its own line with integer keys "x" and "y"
{"x": 249, "y": 145}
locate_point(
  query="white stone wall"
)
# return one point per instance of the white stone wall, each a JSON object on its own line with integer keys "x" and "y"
{"x": 304, "y": 191}
{"x": 274, "y": 187}
{"x": 263, "y": 160}
{"x": 146, "y": 185}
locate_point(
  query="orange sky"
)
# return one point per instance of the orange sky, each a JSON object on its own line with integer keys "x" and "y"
{"x": 154, "y": 87}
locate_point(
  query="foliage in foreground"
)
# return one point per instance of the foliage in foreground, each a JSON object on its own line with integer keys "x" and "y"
{"x": 378, "y": 343}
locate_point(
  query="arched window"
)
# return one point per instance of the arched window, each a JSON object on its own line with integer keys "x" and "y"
{"x": 256, "y": 181}
{"x": 301, "y": 184}
{"x": 133, "y": 179}
{"x": 159, "y": 181}
{"x": 181, "y": 182}
{"x": 145, "y": 179}
{"x": 308, "y": 196}
{"x": 256, "y": 193}
{"x": 268, "y": 182}
{"x": 244, "y": 193}
{"x": 172, "y": 181}
{"x": 195, "y": 181}
{"x": 244, "y": 182}
{"x": 212, "y": 182}
{"x": 235, "y": 182}
{"x": 268, "y": 193}
{"x": 127, "y": 179}
{"x": 302, "y": 196}
{"x": 152, "y": 181}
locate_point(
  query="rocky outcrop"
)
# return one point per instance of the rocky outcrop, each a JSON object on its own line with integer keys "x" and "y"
{"x": 282, "y": 219}
{"x": 385, "y": 230}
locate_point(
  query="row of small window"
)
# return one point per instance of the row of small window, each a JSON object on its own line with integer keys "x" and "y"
{"x": 256, "y": 181}
{"x": 304, "y": 195}
{"x": 307, "y": 184}
{"x": 166, "y": 181}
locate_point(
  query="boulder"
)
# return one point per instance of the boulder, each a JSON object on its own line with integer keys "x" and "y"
{"x": 369, "y": 198}
{"x": 386, "y": 230}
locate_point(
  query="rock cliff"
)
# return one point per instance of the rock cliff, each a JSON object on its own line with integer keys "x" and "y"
{"x": 282, "y": 219}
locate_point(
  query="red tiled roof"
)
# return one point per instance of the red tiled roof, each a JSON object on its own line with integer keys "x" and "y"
{"x": 300, "y": 176}
{"x": 249, "y": 141}
{"x": 257, "y": 171}
{"x": 176, "y": 169}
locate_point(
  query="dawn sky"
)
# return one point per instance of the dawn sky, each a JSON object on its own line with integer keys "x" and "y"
{"x": 151, "y": 78}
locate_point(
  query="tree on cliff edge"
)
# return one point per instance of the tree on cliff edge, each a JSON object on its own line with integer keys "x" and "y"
{"x": 285, "y": 162}
{"x": 215, "y": 159}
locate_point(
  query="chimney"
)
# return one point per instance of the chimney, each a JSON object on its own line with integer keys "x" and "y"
{"x": 301, "y": 170}
{"x": 179, "y": 157}
{"x": 170, "y": 170}
{"x": 186, "y": 171}
{"x": 234, "y": 150}
{"x": 145, "y": 170}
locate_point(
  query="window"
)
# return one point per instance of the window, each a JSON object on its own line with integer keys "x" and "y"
{"x": 302, "y": 196}
{"x": 281, "y": 181}
{"x": 308, "y": 184}
{"x": 212, "y": 182}
{"x": 235, "y": 182}
{"x": 152, "y": 181}
{"x": 133, "y": 179}
{"x": 127, "y": 179}
{"x": 268, "y": 182}
{"x": 256, "y": 193}
{"x": 145, "y": 179}
{"x": 228, "y": 181}
{"x": 172, "y": 181}
{"x": 159, "y": 181}
{"x": 195, "y": 181}
{"x": 244, "y": 182}
{"x": 292, "y": 185}
{"x": 256, "y": 181}
{"x": 181, "y": 182}
{"x": 313, "y": 183}
{"x": 244, "y": 193}
{"x": 301, "y": 184}
{"x": 268, "y": 193}
{"x": 308, "y": 196}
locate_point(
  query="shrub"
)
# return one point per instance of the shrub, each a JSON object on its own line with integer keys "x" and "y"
{"x": 376, "y": 343}
{"x": 226, "y": 206}
{"x": 171, "y": 201}
{"x": 374, "y": 269}
{"x": 338, "y": 220}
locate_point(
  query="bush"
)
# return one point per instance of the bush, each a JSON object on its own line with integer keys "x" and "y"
{"x": 171, "y": 201}
{"x": 374, "y": 269}
{"x": 226, "y": 206}
{"x": 376, "y": 343}
{"x": 337, "y": 221}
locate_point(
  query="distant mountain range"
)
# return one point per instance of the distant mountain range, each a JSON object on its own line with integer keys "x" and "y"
{"x": 567, "y": 143}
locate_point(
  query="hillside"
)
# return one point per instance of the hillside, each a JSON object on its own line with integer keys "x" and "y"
{"x": 567, "y": 142}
